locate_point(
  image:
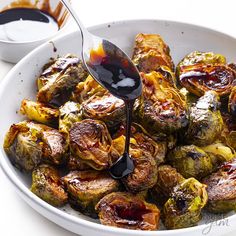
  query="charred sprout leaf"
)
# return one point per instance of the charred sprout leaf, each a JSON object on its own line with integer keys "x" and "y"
{"x": 151, "y": 52}
{"x": 144, "y": 175}
{"x": 190, "y": 161}
{"x": 167, "y": 179}
{"x": 183, "y": 208}
{"x": 199, "y": 72}
{"x": 205, "y": 123}
{"x": 59, "y": 78}
{"x": 91, "y": 141}
{"x": 86, "y": 89}
{"x": 125, "y": 210}
{"x": 162, "y": 107}
{"x": 221, "y": 188}
{"x": 27, "y": 144}
{"x": 86, "y": 188}
{"x": 47, "y": 185}
{"x": 106, "y": 108}
{"x": 70, "y": 113}
{"x": 39, "y": 112}
{"x": 75, "y": 163}
{"x": 23, "y": 146}
{"x": 232, "y": 102}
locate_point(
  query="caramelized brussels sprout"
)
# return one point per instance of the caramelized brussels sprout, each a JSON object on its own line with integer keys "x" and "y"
{"x": 59, "y": 78}
{"x": 75, "y": 163}
{"x": 47, "y": 185}
{"x": 190, "y": 161}
{"x": 199, "y": 72}
{"x": 125, "y": 210}
{"x": 70, "y": 113}
{"x": 144, "y": 175}
{"x": 167, "y": 179}
{"x": 162, "y": 107}
{"x": 221, "y": 188}
{"x": 151, "y": 52}
{"x": 39, "y": 112}
{"x": 205, "y": 123}
{"x": 86, "y": 188}
{"x": 91, "y": 141}
{"x": 27, "y": 144}
{"x": 232, "y": 101}
{"x": 86, "y": 89}
{"x": 106, "y": 108}
{"x": 183, "y": 208}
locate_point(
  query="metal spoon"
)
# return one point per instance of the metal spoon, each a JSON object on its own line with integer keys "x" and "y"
{"x": 114, "y": 70}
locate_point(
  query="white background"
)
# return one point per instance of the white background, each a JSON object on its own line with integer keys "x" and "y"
{"x": 16, "y": 217}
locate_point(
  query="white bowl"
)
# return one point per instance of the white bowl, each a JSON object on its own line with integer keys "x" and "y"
{"x": 20, "y": 83}
{"x": 13, "y": 51}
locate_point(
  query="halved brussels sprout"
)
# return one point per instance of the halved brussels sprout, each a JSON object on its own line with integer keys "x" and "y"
{"x": 125, "y": 210}
{"x": 167, "y": 179}
{"x": 27, "y": 144}
{"x": 144, "y": 175}
{"x": 91, "y": 141}
{"x": 183, "y": 208}
{"x": 47, "y": 185}
{"x": 86, "y": 188}
{"x": 39, "y": 112}
{"x": 205, "y": 124}
{"x": 86, "y": 89}
{"x": 70, "y": 113}
{"x": 59, "y": 78}
{"x": 162, "y": 107}
{"x": 106, "y": 108}
{"x": 221, "y": 188}
{"x": 199, "y": 72}
{"x": 190, "y": 161}
{"x": 151, "y": 52}
{"x": 228, "y": 134}
{"x": 232, "y": 102}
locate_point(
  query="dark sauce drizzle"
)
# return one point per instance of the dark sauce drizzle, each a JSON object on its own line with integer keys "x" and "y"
{"x": 116, "y": 73}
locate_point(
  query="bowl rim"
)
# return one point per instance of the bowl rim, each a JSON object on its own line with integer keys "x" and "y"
{"x": 4, "y": 164}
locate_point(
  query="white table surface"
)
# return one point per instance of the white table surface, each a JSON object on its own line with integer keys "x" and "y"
{"x": 16, "y": 217}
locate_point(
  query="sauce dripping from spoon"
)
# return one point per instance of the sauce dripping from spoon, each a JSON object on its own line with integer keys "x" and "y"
{"x": 116, "y": 72}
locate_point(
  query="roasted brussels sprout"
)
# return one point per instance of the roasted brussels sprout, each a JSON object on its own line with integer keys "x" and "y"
{"x": 125, "y": 210}
{"x": 183, "y": 208}
{"x": 199, "y": 72}
{"x": 144, "y": 175}
{"x": 91, "y": 141}
{"x": 190, "y": 161}
{"x": 232, "y": 101}
{"x": 221, "y": 188}
{"x": 205, "y": 124}
{"x": 70, "y": 113}
{"x": 47, "y": 185}
{"x": 106, "y": 108}
{"x": 86, "y": 89}
{"x": 39, "y": 112}
{"x": 27, "y": 144}
{"x": 86, "y": 188}
{"x": 162, "y": 107}
{"x": 167, "y": 179}
{"x": 59, "y": 78}
{"x": 151, "y": 52}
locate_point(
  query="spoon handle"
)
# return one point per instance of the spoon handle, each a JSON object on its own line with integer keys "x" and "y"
{"x": 84, "y": 31}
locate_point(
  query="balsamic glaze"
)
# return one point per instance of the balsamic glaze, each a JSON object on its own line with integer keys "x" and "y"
{"x": 20, "y": 23}
{"x": 114, "y": 71}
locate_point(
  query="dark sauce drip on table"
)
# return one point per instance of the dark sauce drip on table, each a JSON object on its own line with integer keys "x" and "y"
{"x": 116, "y": 73}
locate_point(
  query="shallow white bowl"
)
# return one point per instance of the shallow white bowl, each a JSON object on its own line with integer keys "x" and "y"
{"x": 20, "y": 83}
{"x": 13, "y": 51}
